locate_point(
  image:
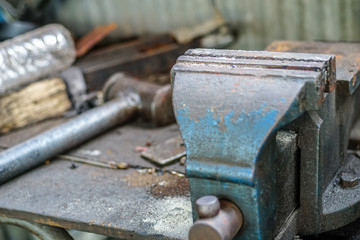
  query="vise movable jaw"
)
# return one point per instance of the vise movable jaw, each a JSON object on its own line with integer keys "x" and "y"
{"x": 265, "y": 132}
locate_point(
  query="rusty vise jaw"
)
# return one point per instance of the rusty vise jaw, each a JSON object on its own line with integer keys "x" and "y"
{"x": 229, "y": 106}
{"x": 227, "y": 103}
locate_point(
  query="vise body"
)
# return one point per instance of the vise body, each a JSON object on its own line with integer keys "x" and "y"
{"x": 268, "y": 133}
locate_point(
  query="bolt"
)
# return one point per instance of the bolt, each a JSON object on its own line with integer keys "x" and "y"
{"x": 223, "y": 226}
{"x": 207, "y": 206}
{"x": 349, "y": 180}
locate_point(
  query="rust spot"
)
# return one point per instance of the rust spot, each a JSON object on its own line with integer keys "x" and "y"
{"x": 160, "y": 186}
{"x": 282, "y": 46}
{"x": 48, "y": 221}
{"x": 332, "y": 87}
{"x": 84, "y": 44}
{"x": 353, "y": 80}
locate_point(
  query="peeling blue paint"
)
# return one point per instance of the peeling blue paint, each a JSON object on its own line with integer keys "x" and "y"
{"x": 226, "y": 173}
{"x": 205, "y": 138}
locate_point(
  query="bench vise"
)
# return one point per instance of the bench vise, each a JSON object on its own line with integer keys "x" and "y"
{"x": 266, "y": 136}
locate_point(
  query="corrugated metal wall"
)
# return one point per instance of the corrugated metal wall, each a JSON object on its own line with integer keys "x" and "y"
{"x": 134, "y": 17}
{"x": 259, "y": 21}
{"x": 262, "y": 21}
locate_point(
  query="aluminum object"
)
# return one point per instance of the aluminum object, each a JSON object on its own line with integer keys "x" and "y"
{"x": 269, "y": 131}
{"x": 34, "y": 55}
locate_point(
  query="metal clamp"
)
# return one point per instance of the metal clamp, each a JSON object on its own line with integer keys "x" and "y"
{"x": 230, "y": 106}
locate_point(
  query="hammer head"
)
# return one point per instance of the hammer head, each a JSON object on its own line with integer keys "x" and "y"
{"x": 155, "y": 100}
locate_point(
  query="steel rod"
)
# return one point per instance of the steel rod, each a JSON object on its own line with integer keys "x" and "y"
{"x": 38, "y": 149}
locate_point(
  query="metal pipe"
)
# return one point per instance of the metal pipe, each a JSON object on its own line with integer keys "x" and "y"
{"x": 38, "y": 149}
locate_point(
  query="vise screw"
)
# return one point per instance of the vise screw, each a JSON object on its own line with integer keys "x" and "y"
{"x": 266, "y": 136}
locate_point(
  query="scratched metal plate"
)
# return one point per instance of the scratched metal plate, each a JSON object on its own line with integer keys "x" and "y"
{"x": 166, "y": 152}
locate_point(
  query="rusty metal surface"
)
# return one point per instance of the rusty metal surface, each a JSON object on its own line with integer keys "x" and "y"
{"x": 129, "y": 204}
{"x": 236, "y": 75}
{"x": 220, "y": 135}
{"x": 347, "y": 57}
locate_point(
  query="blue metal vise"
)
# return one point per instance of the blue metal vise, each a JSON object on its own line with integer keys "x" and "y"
{"x": 268, "y": 133}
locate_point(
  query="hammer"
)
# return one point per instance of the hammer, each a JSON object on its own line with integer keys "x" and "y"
{"x": 125, "y": 98}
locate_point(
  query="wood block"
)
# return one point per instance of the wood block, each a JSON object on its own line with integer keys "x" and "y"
{"x": 36, "y": 102}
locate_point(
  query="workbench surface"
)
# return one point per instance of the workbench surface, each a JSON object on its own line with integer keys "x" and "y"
{"x": 128, "y": 204}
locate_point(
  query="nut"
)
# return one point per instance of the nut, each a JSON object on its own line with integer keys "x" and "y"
{"x": 349, "y": 180}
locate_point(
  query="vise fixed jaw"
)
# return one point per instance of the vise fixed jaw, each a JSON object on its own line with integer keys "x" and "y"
{"x": 254, "y": 125}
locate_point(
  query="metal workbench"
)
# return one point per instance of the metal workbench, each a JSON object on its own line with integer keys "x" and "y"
{"x": 126, "y": 204}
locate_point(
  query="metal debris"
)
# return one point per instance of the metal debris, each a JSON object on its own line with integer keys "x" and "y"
{"x": 140, "y": 148}
{"x": 166, "y": 152}
{"x": 90, "y": 162}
